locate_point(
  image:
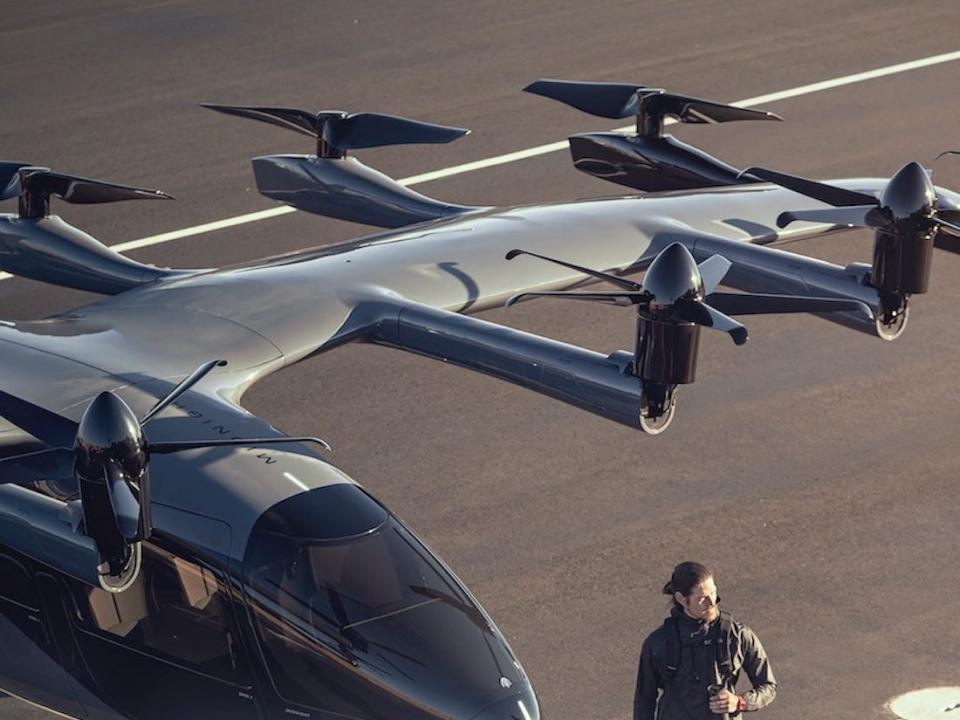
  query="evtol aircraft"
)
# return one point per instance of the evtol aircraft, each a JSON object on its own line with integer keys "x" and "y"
{"x": 165, "y": 553}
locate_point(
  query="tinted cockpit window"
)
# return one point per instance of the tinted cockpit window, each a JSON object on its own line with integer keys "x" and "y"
{"x": 375, "y": 597}
{"x": 360, "y": 566}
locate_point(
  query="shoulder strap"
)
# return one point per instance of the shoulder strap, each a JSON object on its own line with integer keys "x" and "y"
{"x": 671, "y": 660}
{"x": 724, "y": 656}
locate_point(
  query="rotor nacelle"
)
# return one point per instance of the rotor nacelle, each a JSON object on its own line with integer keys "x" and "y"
{"x": 111, "y": 466}
{"x": 111, "y": 469}
{"x": 677, "y": 299}
{"x": 907, "y": 223}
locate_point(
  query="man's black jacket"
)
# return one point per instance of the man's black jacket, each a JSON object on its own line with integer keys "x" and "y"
{"x": 685, "y": 696}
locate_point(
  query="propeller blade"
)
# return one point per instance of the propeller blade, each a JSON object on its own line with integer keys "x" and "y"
{"x": 47, "y": 464}
{"x": 622, "y": 299}
{"x": 10, "y": 179}
{"x": 712, "y": 271}
{"x": 763, "y": 304}
{"x": 702, "y": 314}
{"x": 367, "y": 130}
{"x": 181, "y": 388}
{"x": 838, "y": 197}
{"x": 604, "y": 99}
{"x": 48, "y": 427}
{"x": 126, "y": 507}
{"x": 84, "y": 191}
{"x": 695, "y": 110}
{"x": 618, "y": 281}
{"x": 300, "y": 121}
{"x": 172, "y": 447}
{"x": 869, "y": 216}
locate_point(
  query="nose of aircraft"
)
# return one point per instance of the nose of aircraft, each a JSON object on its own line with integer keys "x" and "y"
{"x": 522, "y": 706}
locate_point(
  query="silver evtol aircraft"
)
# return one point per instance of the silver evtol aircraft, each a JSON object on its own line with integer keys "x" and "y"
{"x": 163, "y": 552}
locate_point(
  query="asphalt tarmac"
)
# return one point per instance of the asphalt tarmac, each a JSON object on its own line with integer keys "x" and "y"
{"x": 814, "y": 468}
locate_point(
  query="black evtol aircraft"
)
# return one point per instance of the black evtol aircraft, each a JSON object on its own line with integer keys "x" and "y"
{"x": 164, "y": 553}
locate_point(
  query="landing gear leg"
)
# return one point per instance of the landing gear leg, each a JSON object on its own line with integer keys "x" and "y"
{"x": 658, "y": 401}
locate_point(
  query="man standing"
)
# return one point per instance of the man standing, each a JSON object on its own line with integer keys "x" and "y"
{"x": 689, "y": 666}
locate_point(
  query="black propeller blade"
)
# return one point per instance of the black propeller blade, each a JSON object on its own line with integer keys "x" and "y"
{"x": 337, "y": 132}
{"x": 676, "y": 289}
{"x": 702, "y": 314}
{"x": 829, "y": 194}
{"x": 612, "y": 298}
{"x": 367, "y": 130}
{"x": 908, "y": 201}
{"x": 300, "y": 121}
{"x": 674, "y": 301}
{"x": 181, "y": 388}
{"x": 609, "y": 100}
{"x": 650, "y": 105}
{"x": 607, "y": 277}
{"x": 712, "y": 271}
{"x": 34, "y": 186}
{"x": 46, "y": 426}
{"x": 171, "y": 447}
{"x": 178, "y": 390}
{"x": 60, "y": 432}
{"x": 126, "y": 507}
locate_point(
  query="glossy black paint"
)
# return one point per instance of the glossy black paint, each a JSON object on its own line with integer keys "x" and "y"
{"x": 191, "y": 623}
{"x": 906, "y": 221}
{"x": 675, "y": 300}
{"x": 666, "y": 351}
{"x": 672, "y": 277}
{"x": 337, "y": 131}
{"x": 650, "y": 164}
{"x": 346, "y": 189}
{"x": 650, "y": 105}
{"x": 334, "y": 185}
{"x": 649, "y": 160}
{"x": 609, "y": 100}
{"x": 111, "y": 471}
{"x": 355, "y": 616}
{"x": 37, "y": 184}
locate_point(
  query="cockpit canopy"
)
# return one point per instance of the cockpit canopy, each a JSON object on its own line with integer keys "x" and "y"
{"x": 357, "y": 616}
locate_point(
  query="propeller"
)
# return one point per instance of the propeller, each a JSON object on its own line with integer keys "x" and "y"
{"x": 649, "y": 105}
{"x": 676, "y": 289}
{"x": 677, "y": 298}
{"x": 337, "y": 131}
{"x": 34, "y": 185}
{"x": 111, "y": 455}
{"x": 908, "y": 221}
{"x": 908, "y": 203}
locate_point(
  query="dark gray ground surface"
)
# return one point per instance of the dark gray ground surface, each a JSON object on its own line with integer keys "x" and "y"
{"x": 815, "y": 468}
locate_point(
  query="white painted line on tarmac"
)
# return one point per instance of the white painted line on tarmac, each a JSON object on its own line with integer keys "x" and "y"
{"x": 536, "y": 151}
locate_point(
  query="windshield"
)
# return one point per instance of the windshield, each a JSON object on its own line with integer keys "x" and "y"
{"x": 364, "y": 589}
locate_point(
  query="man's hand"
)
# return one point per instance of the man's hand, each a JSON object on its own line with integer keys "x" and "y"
{"x": 724, "y": 702}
